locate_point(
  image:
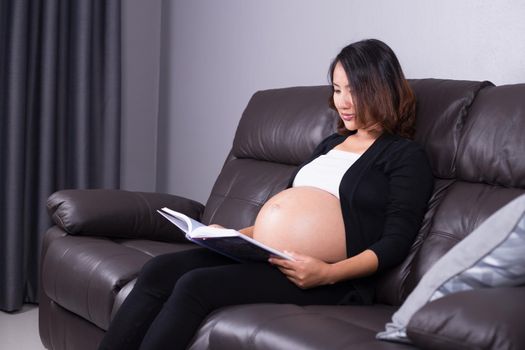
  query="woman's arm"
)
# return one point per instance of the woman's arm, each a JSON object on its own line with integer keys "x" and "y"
{"x": 410, "y": 187}
{"x": 307, "y": 272}
{"x": 360, "y": 265}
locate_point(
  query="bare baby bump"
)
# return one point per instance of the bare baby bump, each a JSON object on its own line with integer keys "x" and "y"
{"x": 305, "y": 220}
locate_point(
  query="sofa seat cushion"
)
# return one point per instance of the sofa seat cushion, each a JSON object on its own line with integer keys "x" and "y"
{"x": 85, "y": 274}
{"x": 277, "y": 326}
{"x": 489, "y": 318}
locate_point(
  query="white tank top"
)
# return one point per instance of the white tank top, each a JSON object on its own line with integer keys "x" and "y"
{"x": 326, "y": 171}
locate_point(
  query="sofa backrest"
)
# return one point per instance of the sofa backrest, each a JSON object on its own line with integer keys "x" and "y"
{"x": 476, "y": 147}
{"x": 471, "y": 131}
{"x": 278, "y": 130}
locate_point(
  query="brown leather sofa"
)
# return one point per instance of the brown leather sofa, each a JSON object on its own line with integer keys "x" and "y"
{"x": 473, "y": 133}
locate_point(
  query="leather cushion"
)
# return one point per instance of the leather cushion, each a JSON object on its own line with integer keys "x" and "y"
{"x": 442, "y": 108}
{"x": 493, "y": 145}
{"x": 242, "y": 187}
{"x": 477, "y": 319}
{"x": 285, "y": 125}
{"x": 117, "y": 213}
{"x": 83, "y": 274}
{"x": 277, "y": 326}
{"x": 490, "y": 256}
{"x": 464, "y": 206}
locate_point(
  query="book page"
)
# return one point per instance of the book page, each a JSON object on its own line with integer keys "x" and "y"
{"x": 210, "y": 232}
{"x": 184, "y": 222}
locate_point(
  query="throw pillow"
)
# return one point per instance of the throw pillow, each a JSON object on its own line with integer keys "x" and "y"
{"x": 491, "y": 256}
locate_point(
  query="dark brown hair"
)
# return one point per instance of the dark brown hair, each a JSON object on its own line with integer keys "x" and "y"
{"x": 380, "y": 92}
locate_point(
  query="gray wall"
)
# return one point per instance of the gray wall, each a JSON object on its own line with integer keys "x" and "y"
{"x": 141, "y": 60}
{"x": 216, "y": 54}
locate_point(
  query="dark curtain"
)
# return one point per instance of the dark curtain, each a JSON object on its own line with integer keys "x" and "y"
{"x": 59, "y": 121}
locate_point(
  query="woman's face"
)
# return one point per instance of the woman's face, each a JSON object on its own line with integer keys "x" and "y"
{"x": 343, "y": 97}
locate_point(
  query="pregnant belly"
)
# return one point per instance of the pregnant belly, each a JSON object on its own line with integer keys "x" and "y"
{"x": 305, "y": 220}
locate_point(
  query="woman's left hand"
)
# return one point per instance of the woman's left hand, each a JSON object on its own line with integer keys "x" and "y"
{"x": 305, "y": 271}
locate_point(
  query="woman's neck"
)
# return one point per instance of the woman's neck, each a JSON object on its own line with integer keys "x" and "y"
{"x": 365, "y": 135}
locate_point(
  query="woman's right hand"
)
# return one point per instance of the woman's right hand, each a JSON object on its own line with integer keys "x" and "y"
{"x": 304, "y": 271}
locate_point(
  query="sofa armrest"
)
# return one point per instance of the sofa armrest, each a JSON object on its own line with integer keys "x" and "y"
{"x": 490, "y": 318}
{"x": 119, "y": 214}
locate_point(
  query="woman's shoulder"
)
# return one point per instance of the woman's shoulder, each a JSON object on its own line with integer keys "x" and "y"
{"x": 405, "y": 150}
{"x": 404, "y": 145}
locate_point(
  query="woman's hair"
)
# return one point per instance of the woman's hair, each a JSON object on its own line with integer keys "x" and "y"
{"x": 380, "y": 92}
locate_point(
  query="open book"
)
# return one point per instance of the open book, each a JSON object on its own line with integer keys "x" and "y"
{"x": 228, "y": 242}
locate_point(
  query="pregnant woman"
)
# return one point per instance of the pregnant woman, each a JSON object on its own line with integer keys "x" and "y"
{"x": 352, "y": 210}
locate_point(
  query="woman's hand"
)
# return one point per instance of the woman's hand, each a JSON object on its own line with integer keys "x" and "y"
{"x": 305, "y": 272}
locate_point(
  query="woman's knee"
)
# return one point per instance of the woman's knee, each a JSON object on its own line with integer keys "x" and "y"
{"x": 163, "y": 271}
{"x": 196, "y": 285}
{"x": 205, "y": 289}
{"x": 193, "y": 281}
{"x": 157, "y": 271}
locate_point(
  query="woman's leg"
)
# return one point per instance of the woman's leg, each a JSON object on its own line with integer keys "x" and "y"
{"x": 203, "y": 290}
{"x": 153, "y": 287}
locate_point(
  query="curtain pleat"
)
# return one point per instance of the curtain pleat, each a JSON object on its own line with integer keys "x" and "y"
{"x": 59, "y": 121}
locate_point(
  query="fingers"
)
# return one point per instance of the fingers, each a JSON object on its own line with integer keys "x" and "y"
{"x": 296, "y": 270}
{"x": 292, "y": 276}
{"x": 287, "y": 267}
{"x": 281, "y": 262}
{"x": 290, "y": 271}
{"x": 286, "y": 272}
{"x": 296, "y": 256}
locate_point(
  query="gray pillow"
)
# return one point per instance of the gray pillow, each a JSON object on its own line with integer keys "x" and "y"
{"x": 493, "y": 255}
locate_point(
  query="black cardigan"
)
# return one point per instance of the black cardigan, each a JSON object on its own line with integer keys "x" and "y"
{"x": 384, "y": 197}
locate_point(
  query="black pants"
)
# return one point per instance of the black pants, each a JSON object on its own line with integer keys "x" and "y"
{"x": 175, "y": 292}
